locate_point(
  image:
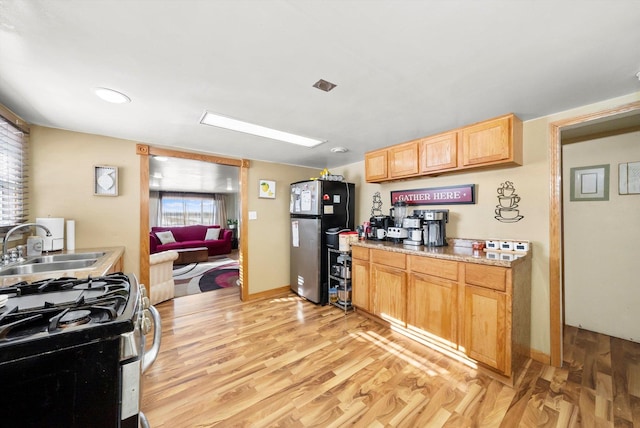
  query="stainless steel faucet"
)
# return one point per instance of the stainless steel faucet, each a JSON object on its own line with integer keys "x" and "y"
{"x": 18, "y": 227}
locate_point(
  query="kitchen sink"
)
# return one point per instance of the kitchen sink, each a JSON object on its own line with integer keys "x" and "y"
{"x": 65, "y": 257}
{"x": 28, "y": 268}
{"x": 31, "y": 268}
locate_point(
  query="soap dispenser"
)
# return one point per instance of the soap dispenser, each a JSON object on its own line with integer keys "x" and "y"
{"x": 34, "y": 245}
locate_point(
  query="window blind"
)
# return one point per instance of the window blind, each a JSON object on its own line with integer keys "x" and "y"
{"x": 13, "y": 175}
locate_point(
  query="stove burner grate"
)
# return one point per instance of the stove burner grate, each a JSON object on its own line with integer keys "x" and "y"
{"x": 55, "y": 305}
{"x": 71, "y": 318}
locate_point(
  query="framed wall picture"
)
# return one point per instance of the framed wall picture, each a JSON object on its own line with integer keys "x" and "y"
{"x": 629, "y": 178}
{"x": 267, "y": 189}
{"x": 105, "y": 180}
{"x": 590, "y": 183}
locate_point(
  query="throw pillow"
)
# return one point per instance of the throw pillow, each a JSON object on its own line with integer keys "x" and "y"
{"x": 212, "y": 234}
{"x": 166, "y": 237}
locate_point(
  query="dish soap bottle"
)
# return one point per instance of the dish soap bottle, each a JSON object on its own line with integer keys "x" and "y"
{"x": 34, "y": 245}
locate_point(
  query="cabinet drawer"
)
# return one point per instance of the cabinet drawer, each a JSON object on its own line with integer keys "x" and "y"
{"x": 435, "y": 267}
{"x": 360, "y": 253}
{"x": 493, "y": 277}
{"x": 389, "y": 258}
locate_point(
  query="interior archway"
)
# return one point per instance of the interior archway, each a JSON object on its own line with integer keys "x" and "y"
{"x": 146, "y": 151}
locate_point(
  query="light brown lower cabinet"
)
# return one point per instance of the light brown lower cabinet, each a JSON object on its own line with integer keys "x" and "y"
{"x": 432, "y": 306}
{"x": 117, "y": 266}
{"x": 389, "y": 293}
{"x": 360, "y": 283}
{"x": 485, "y": 327}
{"x": 480, "y": 310}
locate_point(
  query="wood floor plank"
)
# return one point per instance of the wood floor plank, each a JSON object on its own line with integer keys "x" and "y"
{"x": 285, "y": 362}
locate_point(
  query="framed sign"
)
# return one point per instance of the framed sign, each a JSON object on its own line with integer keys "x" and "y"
{"x": 449, "y": 195}
{"x": 105, "y": 180}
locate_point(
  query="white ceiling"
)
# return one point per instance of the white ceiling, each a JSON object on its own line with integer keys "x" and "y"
{"x": 404, "y": 68}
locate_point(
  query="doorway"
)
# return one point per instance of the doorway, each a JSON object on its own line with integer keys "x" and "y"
{"x": 145, "y": 152}
{"x": 607, "y": 122}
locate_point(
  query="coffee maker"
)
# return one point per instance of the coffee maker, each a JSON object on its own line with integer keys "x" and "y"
{"x": 434, "y": 225}
{"x": 378, "y": 226}
{"x": 413, "y": 225}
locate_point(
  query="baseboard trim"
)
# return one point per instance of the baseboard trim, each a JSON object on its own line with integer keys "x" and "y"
{"x": 274, "y": 292}
{"x": 540, "y": 357}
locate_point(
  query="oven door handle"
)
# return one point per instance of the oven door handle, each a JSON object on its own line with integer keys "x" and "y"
{"x": 151, "y": 355}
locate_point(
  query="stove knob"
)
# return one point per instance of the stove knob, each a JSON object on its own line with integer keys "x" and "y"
{"x": 145, "y": 302}
{"x": 143, "y": 290}
{"x": 146, "y": 322}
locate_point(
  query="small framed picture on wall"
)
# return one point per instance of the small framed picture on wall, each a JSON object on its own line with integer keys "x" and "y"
{"x": 590, "y": 183}
{"x": 267, "y": 189}
{"x": 105, "y": 180}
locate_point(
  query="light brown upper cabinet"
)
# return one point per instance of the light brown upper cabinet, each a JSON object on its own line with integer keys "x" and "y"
{"x": 495, "y": 141}
{"x": 376, "y": 165}
{"x": 403, "y": 160}
{"x": 438, "y": 153}
{"x": 491, "y": 143}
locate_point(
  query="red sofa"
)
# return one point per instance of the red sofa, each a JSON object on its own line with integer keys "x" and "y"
{"x": 191, "y": 237}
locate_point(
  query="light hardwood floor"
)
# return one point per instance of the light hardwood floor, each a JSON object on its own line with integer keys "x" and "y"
{"x": 289, "y": 363}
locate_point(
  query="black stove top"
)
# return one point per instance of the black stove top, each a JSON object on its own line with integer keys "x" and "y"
{"x": 61, "y": 312}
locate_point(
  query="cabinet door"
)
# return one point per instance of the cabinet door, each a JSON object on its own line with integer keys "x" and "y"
{"x": 439, "y": 152}
{"x": 487, "y": 142}
{"x": 403, "y": 160}
{"x": 360, "y": 284}
{"x": 432, "y": 306}
{"x": 376, "y": 165}
{"x": 389, "y": 298}
{"x": 485, "y": 327}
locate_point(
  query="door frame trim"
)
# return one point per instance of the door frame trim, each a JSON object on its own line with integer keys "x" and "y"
{"x": 144, "y": 151}
{"x": 556, "y": 239}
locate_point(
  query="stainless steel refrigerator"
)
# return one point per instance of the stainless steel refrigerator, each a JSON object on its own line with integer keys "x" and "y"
{"x": 316, "y": 206}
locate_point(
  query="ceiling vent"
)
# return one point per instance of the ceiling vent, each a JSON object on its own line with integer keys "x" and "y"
{"x": 323, "y": 85}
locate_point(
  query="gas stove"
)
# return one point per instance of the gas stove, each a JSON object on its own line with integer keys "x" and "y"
{"x": 47, "y": 314}
{"x": 76, "y": 347}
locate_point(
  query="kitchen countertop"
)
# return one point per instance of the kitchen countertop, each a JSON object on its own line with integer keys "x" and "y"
{"x": 100, "y": 268}
{"x": 458, "y": 250}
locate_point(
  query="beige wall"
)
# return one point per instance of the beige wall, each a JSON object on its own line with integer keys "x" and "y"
{"x": 269, "y": 234}
{"x": 61, "y": 183}
{"x": 601, "y": 243}
{"x": 61, "y": 177}
{"x": 477, "y": 221}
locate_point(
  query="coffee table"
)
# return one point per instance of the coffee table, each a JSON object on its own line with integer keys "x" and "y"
{"x": 191, "y": 255}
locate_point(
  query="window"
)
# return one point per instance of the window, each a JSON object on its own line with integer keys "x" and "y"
{"x": 181, "y": 209}
{"x": 13, "y": 172}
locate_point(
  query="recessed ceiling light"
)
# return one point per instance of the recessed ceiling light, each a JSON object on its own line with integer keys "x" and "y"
{"x": 339, "y": 150}
{"x": 323, "y": 85}
{"x": 161, "y": 158}
{"x": 157, "y": 175}
{"x": 112, "y": 96}
{"x": 219, "y": 121}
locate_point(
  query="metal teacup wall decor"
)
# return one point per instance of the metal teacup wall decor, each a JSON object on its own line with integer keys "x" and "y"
{"x": 507, "y": 210}
{"x": 376, "y": 207}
